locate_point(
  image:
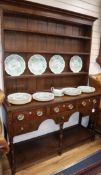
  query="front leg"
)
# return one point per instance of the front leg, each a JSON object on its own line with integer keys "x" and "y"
{"x": 12, "y": 157}
{"x": 61, "y": 139}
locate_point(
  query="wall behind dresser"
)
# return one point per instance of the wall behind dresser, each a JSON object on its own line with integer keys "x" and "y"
{"x": 92, "y": 8}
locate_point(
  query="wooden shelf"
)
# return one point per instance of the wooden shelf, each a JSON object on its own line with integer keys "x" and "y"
{"x": 46, "y": 33}
{"x": 43, "y": 147}
{"x": 46, "y": 52}
{"x": 46, "y": 75}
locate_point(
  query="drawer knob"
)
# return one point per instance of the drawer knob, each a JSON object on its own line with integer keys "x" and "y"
{"x": 56, "y": 109}
{"x": 22, "y": 128}
{"x": 70, "y": 106}
{"x": 39, "y": 113}
{"x": 30, "y": 113}
{"x": 20, "y": 117}
{"x": 94, "y": 101}
{"x": 83, "y": 103}
{"x": 63, "y": 117}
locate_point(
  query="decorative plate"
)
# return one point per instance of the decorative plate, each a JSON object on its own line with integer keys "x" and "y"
{"x": 43, "y": 96}
{"x": 86, "y": 89}
{"x": 56, "y": 64}
{"x": 14, "y": 65}
{"x": 72, "y": 91}
{"x": 76, "y": 64}
{"x": 19, "y": 98}
{"x": 37, "y": 64}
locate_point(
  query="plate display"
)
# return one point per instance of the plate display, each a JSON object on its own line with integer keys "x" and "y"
{"x": 72, "y": 91}
{"x": 86, "y": 89}
{"x": 43, "y": 96}
{"x": 37, "y": 64}
{"x": 75, "y": 64}
{"x": 56, "y": 64}
{"x": 19, "y": 98}
{"x": 14, "y": 65}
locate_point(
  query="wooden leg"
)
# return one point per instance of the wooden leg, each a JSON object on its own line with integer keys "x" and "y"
{"x": 61, "y": 139}
{"x": 5, "y": 132}
{"x": 80, "y": 118}
{"x": 91, "y": 125}
{"x": 12, "y": 156}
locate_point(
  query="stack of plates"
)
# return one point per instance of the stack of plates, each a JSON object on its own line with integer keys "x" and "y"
{"x": 43, "y": 96}
{"x": 19, "y": 98}
{"x": 86, "y": 89}
{"x": 72, "y": 91}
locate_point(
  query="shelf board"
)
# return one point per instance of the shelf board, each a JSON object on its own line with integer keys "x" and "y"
{"x": 46, "y": 75}
{"x": 46, "y": 33}
{"x": 35, "y": 150}
{"x": 45, "y": 52}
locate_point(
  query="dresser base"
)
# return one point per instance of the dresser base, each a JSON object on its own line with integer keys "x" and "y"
{"x": 41, "y": 148}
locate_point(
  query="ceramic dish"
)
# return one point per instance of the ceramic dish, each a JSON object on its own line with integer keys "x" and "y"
{"x": 19, "y": 98}
{"x": 14, "y": 65}
{"x": 56, "y": 64}
{"x": 86, "y": 89}
{"x": 72, "y": 91}
{"x": 43, "y": 96}
{"x": 57, "y": 92}
{"x": 37, "y": 64}
{"x": 75, "y": 64}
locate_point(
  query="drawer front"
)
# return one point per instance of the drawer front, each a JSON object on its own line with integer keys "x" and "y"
{"x": 56, "y": 109}
{"x": 87, "y": 106}
{"x": 23, "y": 122}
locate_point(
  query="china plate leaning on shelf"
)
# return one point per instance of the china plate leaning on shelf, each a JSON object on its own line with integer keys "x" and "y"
{"x": 56, "y": 64}
{"x": 19, "y": 98}
{"x": 37, "y": 64}
{"x": 43, "y": 96}
{"x": 86, "y": 89}
{"x": 75, "y": 64}
{"x": 14, "y": 65}
{"x": 72, "y": 91}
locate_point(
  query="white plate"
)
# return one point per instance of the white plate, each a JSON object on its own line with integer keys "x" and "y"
{"x": 19, "y": 98}
{"x": 14, "y": 65}
{"x": 86, "y": 89}
{"x": 43, "y": 96}
{"x": 72, "y": 91}
{"x": 56, "y": 64}
{"x": 37, "y": 64}
{"x": 76, "y": 63}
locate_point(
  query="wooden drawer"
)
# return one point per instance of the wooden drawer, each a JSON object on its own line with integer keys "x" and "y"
{"x": 87, "y": 106}
{"x": 23, "y": 122}
{"x": 62, "y": 108}
{"x": 56, "y": 109}
{"x": 40, "y": 112}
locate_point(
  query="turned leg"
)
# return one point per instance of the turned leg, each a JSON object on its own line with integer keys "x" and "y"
{"x": 61, "y": 139}
{"x": 12, "y": 156}
{"x": 80, "y": 118}
{"x": 91, "y": 125}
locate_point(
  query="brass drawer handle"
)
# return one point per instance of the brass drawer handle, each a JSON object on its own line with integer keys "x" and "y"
{"x": 20, "y": 117}
{"x": 39, "y": 113}
{"x": 94, "y": 101}
{"x": 63, "y": 117}
{"x": 83, "y": 103}
{"x": 70, "y": 106}
{"x": 56, "y": 109}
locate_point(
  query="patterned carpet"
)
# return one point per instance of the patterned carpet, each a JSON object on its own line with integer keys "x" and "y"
{"x": 88, "y": 166}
